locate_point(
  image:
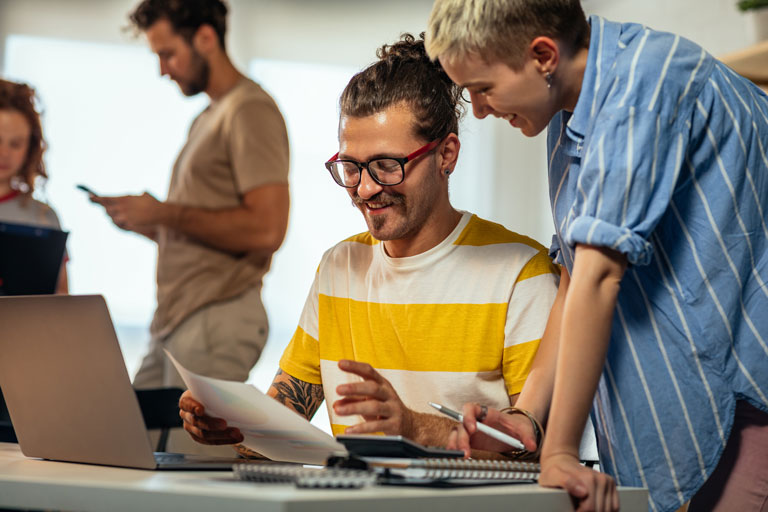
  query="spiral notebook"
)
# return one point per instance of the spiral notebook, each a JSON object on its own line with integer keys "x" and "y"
{"x": 301, "y": 476}
{"x": 442, "y": 472}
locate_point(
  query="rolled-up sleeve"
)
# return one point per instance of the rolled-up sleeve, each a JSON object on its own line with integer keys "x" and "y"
{"x": 554, "y": 250}
{"x": 628, "y": 175}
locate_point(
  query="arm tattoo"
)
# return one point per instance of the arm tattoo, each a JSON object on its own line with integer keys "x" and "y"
{"x": 247, "y": 453}
{"x": 301, "y": 396}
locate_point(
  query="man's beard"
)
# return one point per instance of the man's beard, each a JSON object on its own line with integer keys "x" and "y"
{"x": 201, "y": 73}
{"x": 376, "y": 221}
{"x": 413, "y": 210}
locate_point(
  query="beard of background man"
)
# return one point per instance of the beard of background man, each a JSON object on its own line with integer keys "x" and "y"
{"x": 200, "y": 72}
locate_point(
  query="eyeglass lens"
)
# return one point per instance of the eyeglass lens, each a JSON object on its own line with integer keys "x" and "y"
{"x": 386, "y": 171}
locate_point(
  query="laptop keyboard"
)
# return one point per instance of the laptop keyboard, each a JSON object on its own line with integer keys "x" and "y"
{"x": 169, "y": 458}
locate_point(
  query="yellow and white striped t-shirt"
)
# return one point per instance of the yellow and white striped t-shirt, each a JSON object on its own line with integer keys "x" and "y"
{"x": 460, "y": 322}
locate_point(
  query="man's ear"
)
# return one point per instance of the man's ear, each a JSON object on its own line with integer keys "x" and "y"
{"x": 546, "y": 54}
{"x": 448, "y": 153}
{"x": 206, "y": 40}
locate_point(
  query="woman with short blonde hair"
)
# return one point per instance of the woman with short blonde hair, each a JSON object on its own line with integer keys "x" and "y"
{"x": 658, "y": 185}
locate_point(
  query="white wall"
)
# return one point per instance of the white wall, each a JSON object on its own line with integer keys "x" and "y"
{"x": 342, "y": 32}
{"x": 714, "y": 24}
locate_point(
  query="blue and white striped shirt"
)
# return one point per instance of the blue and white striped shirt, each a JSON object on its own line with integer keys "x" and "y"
{"x": 664, "y": 160}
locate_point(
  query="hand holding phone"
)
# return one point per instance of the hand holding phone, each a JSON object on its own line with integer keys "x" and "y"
{"x": 87, "y": 190}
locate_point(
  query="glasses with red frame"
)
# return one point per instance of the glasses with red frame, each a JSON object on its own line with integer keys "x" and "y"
{"x": 385, "y": 171}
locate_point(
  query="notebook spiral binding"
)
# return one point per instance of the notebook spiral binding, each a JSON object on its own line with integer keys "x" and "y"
{"x": 315, "y": 478}
{"x": 425, "y": 470}
{"x": 478, "y": 469}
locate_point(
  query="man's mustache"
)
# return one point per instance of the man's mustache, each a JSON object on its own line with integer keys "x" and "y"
{"x": 381, "y": 197}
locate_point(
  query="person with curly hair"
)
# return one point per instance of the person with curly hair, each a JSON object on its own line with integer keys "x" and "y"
{"x": 22, "y": 169}
{"x": 431, "y": 303}
{"x": 21, "y": 163}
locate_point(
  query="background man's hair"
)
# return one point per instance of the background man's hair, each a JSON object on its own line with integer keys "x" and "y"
{"x": 500, "y": 30}
{"x": 405, "y": 74}
{"x": 185, "y": 16}
{"x": 21, "y": 98}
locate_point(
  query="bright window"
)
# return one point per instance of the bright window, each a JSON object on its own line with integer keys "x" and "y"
{"x": 113, "y": 125}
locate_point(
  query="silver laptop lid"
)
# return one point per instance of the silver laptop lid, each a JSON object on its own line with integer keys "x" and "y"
{"x": 65, "y": 382}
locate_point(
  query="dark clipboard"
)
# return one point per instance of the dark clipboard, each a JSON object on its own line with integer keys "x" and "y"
{"x": 392, "y": 446}
{"x": 30, "y": 259}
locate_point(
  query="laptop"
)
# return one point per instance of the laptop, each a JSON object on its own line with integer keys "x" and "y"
{"x": 67, "y": 388}
{"x": 31, "y": 259}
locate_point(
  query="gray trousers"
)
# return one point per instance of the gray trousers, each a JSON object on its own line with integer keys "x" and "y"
{"x": 222, "y": 340}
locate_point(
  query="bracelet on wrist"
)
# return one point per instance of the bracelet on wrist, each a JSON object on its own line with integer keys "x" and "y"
{"x": 538, "y": 432}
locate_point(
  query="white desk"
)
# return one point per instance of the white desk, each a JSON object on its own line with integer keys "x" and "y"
{"x": 37, "y": 484}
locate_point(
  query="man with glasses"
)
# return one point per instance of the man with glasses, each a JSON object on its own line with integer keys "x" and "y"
{"x": 431, "y": 304}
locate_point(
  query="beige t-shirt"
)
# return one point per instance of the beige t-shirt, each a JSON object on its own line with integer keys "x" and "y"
{"x": 236, "y": 144}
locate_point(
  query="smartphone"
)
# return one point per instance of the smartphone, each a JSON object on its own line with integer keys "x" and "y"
{"x": 87, "y": 190}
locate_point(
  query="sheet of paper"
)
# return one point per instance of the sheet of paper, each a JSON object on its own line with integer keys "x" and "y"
{"x": 269, "y": 427}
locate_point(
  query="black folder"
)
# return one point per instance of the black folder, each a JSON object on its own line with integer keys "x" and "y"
{"x": 30, "y": 259}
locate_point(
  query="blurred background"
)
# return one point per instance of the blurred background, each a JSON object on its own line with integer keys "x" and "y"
{"x": 114, "y": 125}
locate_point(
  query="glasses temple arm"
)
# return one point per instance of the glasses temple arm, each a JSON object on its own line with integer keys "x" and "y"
{"x": 422, "y": 150}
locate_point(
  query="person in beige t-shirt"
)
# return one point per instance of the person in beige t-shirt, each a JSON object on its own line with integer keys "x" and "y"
{"x": 227, "y": 207}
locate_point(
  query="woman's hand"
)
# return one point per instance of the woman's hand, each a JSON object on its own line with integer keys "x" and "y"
{"x": 592, "y": 490}
{"x": 466, "y": 436}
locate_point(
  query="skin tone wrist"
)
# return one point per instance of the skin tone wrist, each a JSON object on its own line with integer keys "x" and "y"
{"x": 587, "y": 317}
{"x": 169, "y": 215}
{"x": 427, "y": 429}
{"x": 536, "y": 412}
{"x": 376, "y": 401}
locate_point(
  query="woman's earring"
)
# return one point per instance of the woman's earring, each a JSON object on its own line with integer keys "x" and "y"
{"x": 447, "y": 171}
{"x": 548, "y": 78}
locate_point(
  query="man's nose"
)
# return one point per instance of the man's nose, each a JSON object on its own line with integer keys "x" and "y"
{"x": 367, "y": 188}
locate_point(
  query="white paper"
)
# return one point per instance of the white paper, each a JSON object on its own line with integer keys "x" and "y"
{"x": 269, "y": 427}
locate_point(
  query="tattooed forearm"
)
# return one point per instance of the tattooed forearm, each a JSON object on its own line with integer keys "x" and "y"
{"x": 247, "y": 453}
{"x": 301, "y": 396}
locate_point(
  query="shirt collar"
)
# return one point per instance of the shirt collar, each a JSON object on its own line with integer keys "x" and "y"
{"x": 10, "y": 195}
{"x": 603, "y": 45}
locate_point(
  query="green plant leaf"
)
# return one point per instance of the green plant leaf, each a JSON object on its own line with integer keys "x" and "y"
{"x": 748, "y": 5}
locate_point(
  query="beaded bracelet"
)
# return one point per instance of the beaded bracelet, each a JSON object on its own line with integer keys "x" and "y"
{"x": 538, "y": 431}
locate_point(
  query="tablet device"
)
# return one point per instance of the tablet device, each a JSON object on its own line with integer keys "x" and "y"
{"x": 392, "y": 446}
{"x": 31, "y": 259}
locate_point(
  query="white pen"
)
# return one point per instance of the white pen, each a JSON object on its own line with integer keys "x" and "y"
{"x": 482, "y": 427}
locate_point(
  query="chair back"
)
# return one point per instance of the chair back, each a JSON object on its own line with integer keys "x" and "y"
{"x": 160, "y": 408}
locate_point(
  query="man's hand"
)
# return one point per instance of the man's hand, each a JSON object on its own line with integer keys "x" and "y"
{"x": 466, "y": 436}
{"x": 203, "y": 428}
{"x": 375, "y": 400}
{"x": 141, "y": 214}
{"x": 592, "y": 490}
